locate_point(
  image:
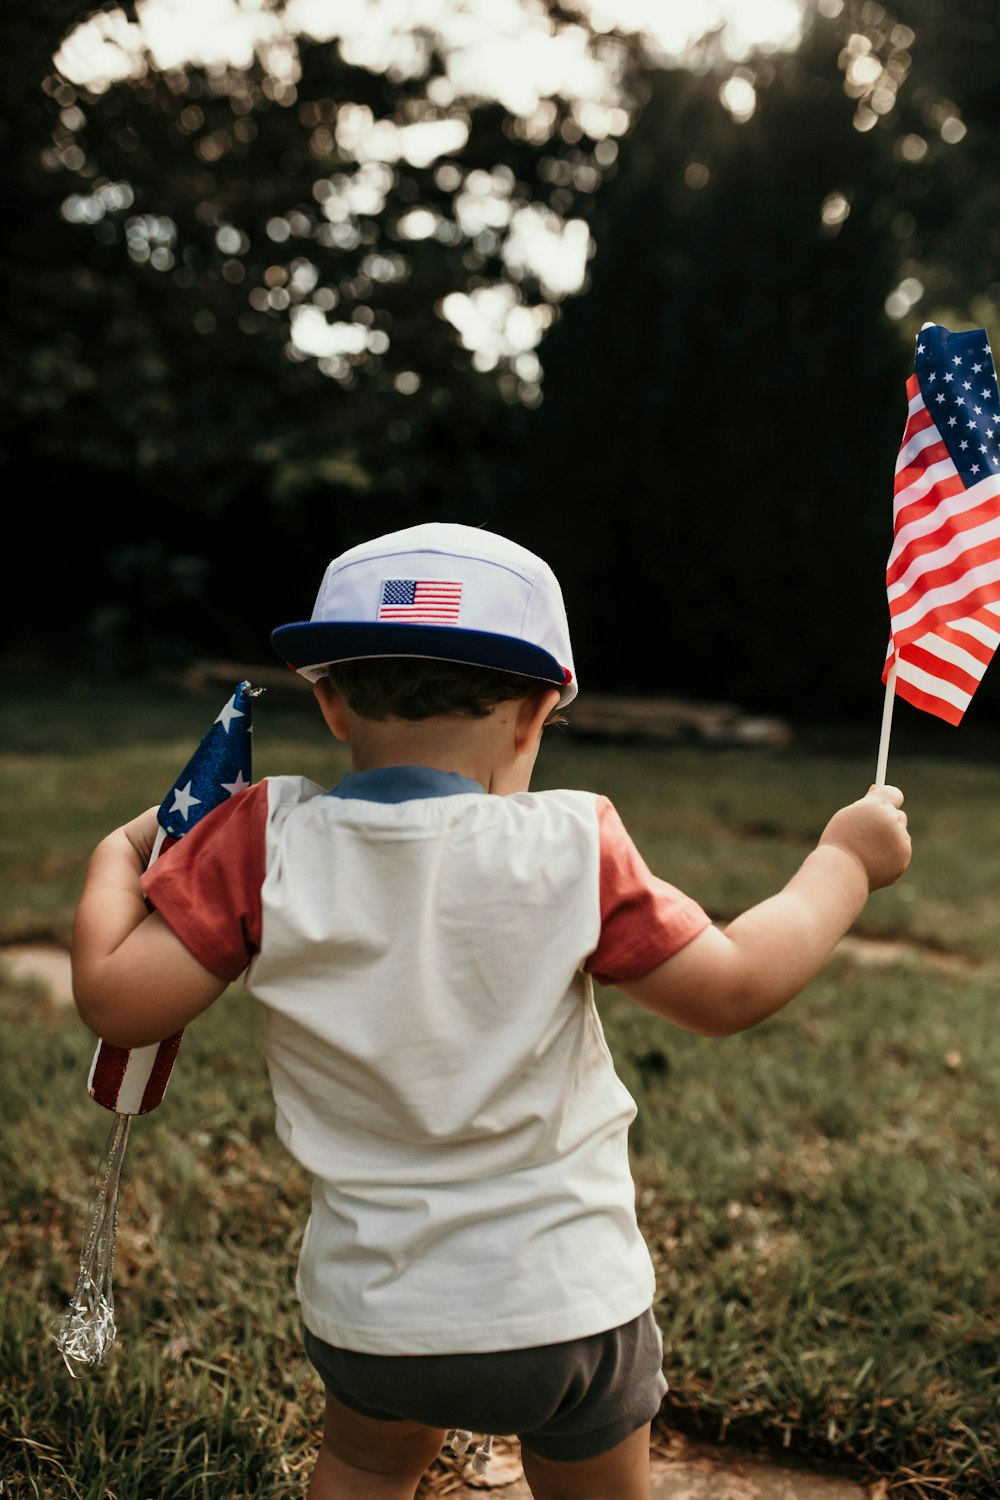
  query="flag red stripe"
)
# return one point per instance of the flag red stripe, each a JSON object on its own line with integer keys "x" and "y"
{"x": 935, "y": 666}
{"x": 925, "y": 517}
{"x": 946, "y": 564}
{"x": 917, "y": 419}
{"x": 159, "y": 1073}
{"x": 109, "y": 1070}
{"x": 930, "y": 704}
{"x": 920, "y": 500}
{"x": 914, "y": 399}
{"x": 936, "y": 578}
{"x": 953, "y": 636}
{"x": 962, "y": 636}
{"x": 946, "y": 614}
{"x": 922, "y": 546}
{"x": 917, "y": 465}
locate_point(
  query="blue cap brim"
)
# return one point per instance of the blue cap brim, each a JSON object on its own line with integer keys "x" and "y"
{"x": 311, "y": 643}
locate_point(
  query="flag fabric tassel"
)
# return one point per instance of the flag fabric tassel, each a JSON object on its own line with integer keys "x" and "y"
{"x": 86, "y": 1331}
{"x": 132, "y": 1082}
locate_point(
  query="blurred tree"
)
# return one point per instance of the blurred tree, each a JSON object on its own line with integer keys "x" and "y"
{"x": 229, "y": 334}
{"x": 724, "y": 406}
{"x": 263, "y": 308}
{"x": 947, "y": 131}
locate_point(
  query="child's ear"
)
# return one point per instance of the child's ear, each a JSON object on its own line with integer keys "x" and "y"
{"x": 531, "y": 716}
{"x": 332, "y": 707}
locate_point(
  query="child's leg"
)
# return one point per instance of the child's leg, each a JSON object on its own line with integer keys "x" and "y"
{"x": 362, "y": 1458}
{"x": 620, "y": 1474}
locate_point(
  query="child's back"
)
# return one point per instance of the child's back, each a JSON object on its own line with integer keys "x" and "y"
{"x": 422, "y": 948}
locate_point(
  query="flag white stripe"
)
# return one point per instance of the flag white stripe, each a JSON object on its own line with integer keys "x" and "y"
{"x": 947, "y": 594}
{"x": 136, "y": 1076}
{"x": 915, "y": 445}
{"x": 950, "y": 507}
{"x": 978, "y": 631}
{"x": 936, "y": 686}
{"x": 928, "y": 562}
{"x": 948, "y": 651}
{"x": 934, "y": 474}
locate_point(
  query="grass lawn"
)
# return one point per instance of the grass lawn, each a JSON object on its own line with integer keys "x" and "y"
{"x": 820, "y": 1194}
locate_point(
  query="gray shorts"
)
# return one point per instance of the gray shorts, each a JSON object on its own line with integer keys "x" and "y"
{"x": 563, "y": 1401}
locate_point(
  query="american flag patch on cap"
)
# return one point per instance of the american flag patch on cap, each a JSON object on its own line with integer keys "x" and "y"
{"x": 422, "y": 601}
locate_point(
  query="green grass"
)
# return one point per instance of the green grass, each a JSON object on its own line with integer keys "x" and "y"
{"x": 820, "y": 1194}
{"x": 821, "y": 1198}
{"x": 206, "y": 1393}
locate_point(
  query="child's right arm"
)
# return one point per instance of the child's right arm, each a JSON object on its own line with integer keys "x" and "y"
{"x": 725, "y": 981}
{"x": 134, "y": 982}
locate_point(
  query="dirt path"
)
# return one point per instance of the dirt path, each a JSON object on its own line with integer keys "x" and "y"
{"x": 44, "y": 965}
{"x": 681, "y": 1470}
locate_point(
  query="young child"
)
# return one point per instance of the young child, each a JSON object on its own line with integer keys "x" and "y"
{"x": 424, "y": 939}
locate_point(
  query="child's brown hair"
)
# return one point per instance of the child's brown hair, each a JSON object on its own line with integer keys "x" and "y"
{"x": 405, "y": 687}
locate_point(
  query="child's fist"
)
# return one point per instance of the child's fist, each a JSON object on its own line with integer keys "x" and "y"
{"x": 141, "y": 833}
{"x": 873, "y": 830}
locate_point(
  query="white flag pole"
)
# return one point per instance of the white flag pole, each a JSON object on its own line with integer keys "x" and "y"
{"x": 883, "y": 744}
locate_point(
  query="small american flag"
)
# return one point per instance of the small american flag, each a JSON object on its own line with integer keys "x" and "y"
{"x": 132, "y": 1081}
{"x": 943, "y": 574}
{"x": 420, "y": 601}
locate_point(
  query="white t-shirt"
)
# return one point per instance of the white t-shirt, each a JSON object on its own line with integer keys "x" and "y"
{"x": 424, "y": 952}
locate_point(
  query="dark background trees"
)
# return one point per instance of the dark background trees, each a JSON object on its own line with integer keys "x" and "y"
{"x": 226, "y": 354}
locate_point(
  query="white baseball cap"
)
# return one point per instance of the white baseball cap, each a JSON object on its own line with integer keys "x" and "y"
{"x": 439, "y": 590}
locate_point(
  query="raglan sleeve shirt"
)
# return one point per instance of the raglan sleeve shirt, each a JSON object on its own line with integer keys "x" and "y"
{"x": 207, "y": 888}
{"x": 644, "y": 920}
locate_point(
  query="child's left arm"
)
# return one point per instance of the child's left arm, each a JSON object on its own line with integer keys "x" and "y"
{"x": 134, "y": 982}
{"x": 728, "y": 980}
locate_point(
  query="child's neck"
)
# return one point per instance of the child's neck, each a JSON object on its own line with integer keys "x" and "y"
{"x": 474, "y": 748}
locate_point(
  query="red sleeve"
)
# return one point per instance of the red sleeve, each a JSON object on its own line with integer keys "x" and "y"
{"x": 643, "y": 919}
{"x": 206, "y": 886}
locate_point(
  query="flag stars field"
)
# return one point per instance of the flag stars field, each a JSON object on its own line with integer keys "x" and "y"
{"x": 229, "y": 713}
{"x": 217, "y": 771}
{"x": 184, "y": 800}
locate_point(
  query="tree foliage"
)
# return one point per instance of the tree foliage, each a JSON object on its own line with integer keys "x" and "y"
{"x": 233, "y": 337}
{"x": 194, "y": 215}
{"x": 734, "y": 340}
